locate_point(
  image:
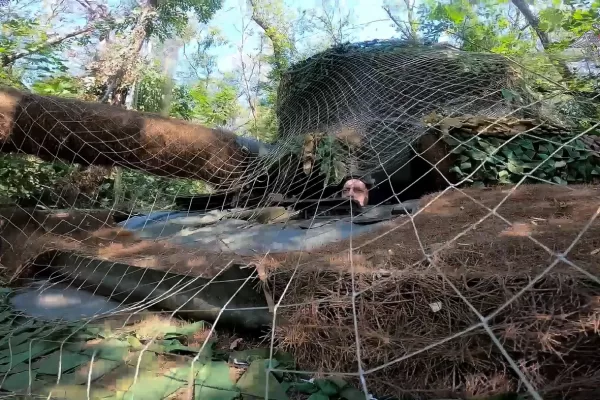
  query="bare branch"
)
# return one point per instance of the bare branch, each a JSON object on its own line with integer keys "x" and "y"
{"x": 406, "y": 32}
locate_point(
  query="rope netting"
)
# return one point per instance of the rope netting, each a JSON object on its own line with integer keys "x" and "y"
{"x": 425, "y": 226}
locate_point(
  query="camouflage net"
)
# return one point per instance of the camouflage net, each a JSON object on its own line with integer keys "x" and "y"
{"x": 465, "y": 292}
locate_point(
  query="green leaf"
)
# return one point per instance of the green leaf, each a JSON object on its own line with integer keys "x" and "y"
{"x": 150, "y": 386}
{"x": 215, "y": 374}
{"x": 6, "y": 314}
{"x": 509, "y": 95}
{"x": 99, "y": 369}
{"x": 185, "y": 330}
{"x": 18, "y": 382}
{"x": 477, "y": 155}
{"x": 174, "y": 345}
{"x": 517, "y": 150}
{"x": 305, "y": 387}
{"x": 147, "y": 359}
{"x": 543, "y": 156}
{"x": 286, "y": 360}
{"x": 327, "y": 387}
{"x": 341, "y": 383}
{"x": 509, "y": 153}
{"x": 134, "y": 342}
{"x": 22, "y": 337}
{"x": 559, "y": 180}
{"x": 113, "y": 349}
{"x": 318, "y": 396}
{"x": 514, "y": 168}
{"x": 465, "y": 165}
{"x": 208, "y": 393}
{"x": 351, "y": 393}
{"x": 109, "y": 349}
{"x": 250, "y": 355}
{"x": 526, "y": 144}
{"x": 456, "y": 170}
{"x": 254, "y": 382}
{"x": 63, "y": 360}
{"x": 23, "y": 353}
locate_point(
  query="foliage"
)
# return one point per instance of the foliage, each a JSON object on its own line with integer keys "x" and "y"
{"x": 172, "y": 16}
{"x": 131, "y": 189}
{"x": 274, "y": 18}
{"x": 182, "y": 103}
{"x": 484, "y": 27}
{"x": 202, "y": 62}
{"x": 211, "y": 104}
{"x": 497, "y": 26}
{"x": 321, "y": 150}
{"x": 501, "y": 161}
{"x": 27, "y": 36}
{"x": 215, "y": 105}
{"x": 329, "y": 154}
{"x": 10, "y": 77}
{"x": 25, "y": 177}
{"x": 61, "y": 85}
{"x": 149, "y": 91}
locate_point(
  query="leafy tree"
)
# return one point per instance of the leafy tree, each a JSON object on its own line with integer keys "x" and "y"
{"x": 202, "y": 63}
{"x": 149, "y": 19}
{"x": 272, "y": 17}
{"x": 23, "y": 39}
{"x": 215, "y": 105}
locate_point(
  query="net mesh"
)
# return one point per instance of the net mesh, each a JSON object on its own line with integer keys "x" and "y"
{"x": 409, "y": 234}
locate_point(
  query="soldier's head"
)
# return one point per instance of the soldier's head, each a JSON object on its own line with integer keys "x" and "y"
{"x": 357, "y": 190}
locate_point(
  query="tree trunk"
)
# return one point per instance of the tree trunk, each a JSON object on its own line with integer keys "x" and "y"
{"x": 114, "y": 89}
{"x": 274, "y": 36}
{"x": 99, "y": 134}
{"x": 534, "y": 22}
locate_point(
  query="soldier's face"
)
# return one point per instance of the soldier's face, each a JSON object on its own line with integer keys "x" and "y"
{"x": 356, "y": 190}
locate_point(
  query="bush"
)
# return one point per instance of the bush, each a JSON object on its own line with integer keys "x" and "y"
{"x": 26, "y": 177}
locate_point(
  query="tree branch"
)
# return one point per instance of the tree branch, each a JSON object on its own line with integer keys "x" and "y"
{"x": 270, "y": 32}
{"x": 534, "y": 22}
{"x": 6, "y": 60}
{"x": 401, "y": 27}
